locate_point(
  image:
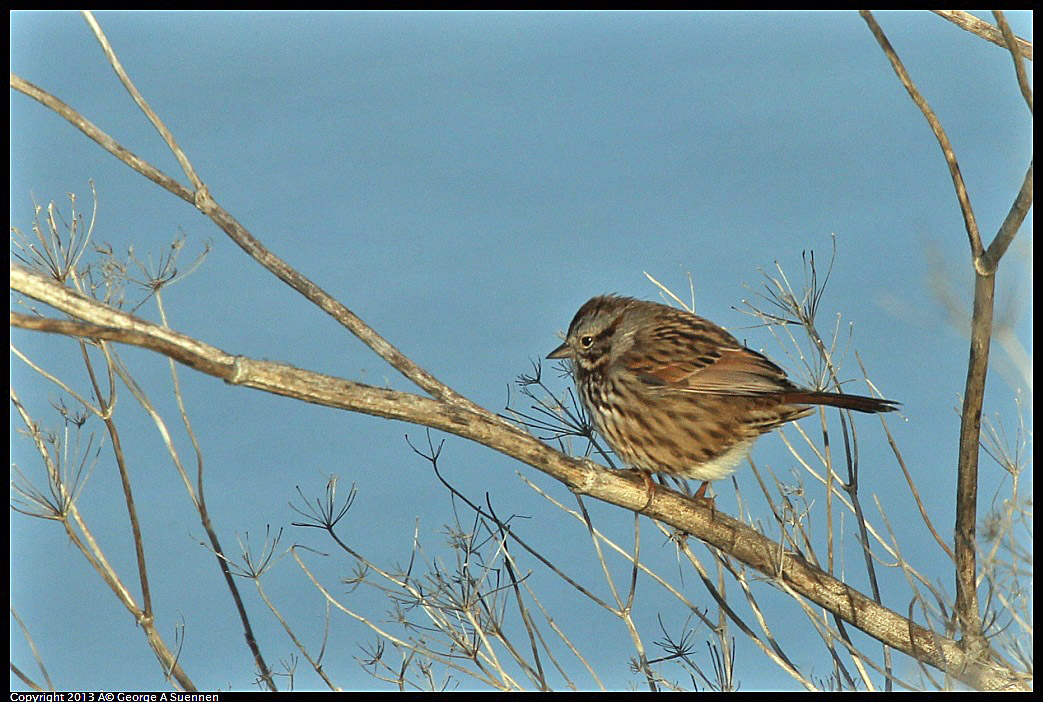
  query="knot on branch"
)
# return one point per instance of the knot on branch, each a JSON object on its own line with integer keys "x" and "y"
{"x": 203, "y": 202}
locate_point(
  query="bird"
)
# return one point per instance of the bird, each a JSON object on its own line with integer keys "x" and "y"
{"x": 675, "y": 394}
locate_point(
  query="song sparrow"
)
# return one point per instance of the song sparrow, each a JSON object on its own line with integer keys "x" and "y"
{"x": 675, "y": 393}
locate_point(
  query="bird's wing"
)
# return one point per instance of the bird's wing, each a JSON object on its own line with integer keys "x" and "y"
{"x": 706, "y": 363}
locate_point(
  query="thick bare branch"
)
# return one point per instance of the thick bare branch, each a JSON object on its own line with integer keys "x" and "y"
{"x": 621, "y": 488}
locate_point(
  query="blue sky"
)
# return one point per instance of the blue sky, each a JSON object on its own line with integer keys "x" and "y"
{"x": 463, "y": 182}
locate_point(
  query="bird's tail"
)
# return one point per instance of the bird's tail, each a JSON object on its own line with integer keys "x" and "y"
{"x": 859, "y": 403}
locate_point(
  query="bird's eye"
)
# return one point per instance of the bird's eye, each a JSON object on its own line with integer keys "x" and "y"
{"x": 586, "y": 341}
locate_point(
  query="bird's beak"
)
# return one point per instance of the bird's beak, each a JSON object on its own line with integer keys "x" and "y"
{"x": 562, "y": 351}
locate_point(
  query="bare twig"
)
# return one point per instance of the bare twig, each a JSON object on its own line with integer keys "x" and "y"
{"x": 965, "y": 20}
{"x": 969, "y": 221}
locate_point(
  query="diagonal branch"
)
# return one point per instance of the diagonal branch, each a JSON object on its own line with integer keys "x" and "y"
{"x": 967, "y": 21}
{"x": 620, "y": 488}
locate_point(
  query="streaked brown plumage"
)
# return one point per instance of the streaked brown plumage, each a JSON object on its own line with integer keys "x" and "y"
{"x": 674, "y": 393}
